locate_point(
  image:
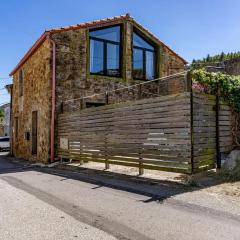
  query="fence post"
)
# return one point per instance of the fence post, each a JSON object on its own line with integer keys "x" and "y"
{"x": 81, "y": 104}
{"x": 189, "y": 89}
{"x": 69, "y": 151}
{"x": 80, "y": 149}
{"x": 106, "y": 98}
{"x": 106, "y": 153}
{"x": 140, "y": 91}
{"x": 188, "y": 82}
{"x": 61, "y": 107}
{"x": 218, "y": 154}
{"x": 141, "y": 169}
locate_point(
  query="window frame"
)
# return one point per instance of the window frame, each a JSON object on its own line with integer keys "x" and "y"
{"x": 105, "y": 42}
{"x": 144, "y": 50}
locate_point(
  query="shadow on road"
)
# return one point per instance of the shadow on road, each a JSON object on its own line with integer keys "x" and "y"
{"x": 156, "y": 190}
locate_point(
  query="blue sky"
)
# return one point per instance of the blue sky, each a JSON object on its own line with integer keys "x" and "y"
{"x": 192, "y": 28}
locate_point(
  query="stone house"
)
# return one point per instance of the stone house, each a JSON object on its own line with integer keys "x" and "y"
{"x": 5, "y": 121}
{"x": 228, "y": 66}
{"x": 74, "y": 61}
{"x": 232, "y": 66}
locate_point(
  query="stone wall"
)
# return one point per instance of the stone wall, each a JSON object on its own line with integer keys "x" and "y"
{"x": 36, "y": 97}
{"x": 74, "y": 80}
{"x": 232, "y": 66}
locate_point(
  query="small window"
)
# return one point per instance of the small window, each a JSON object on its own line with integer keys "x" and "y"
{"x": 143, "y": 59}
{"x": 94, "y": 104}
{"x": 20, "y": 82}
{"x": 105, "y": 51}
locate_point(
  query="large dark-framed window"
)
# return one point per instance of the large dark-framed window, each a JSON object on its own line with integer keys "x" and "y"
{"x": 144, "y": 58}
{"x": 105, "y": 51}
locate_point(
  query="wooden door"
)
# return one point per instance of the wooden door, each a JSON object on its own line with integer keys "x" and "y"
{"x": 34, "y": 132}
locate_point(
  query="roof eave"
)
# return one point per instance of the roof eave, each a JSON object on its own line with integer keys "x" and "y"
{"x": 42, "y": 38}
{"x": 158, "y": 40}
{"x": 30, "y": 52}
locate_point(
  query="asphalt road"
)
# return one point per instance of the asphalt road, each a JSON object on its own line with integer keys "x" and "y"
{"x": 55, "y": 204}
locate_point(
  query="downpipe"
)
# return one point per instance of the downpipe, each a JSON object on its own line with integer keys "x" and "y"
{"x": 52, "y": 137}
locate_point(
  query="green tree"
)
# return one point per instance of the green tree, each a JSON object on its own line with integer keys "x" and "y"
{"x": 222, "y": 56}
{"x": 208, "y": 59}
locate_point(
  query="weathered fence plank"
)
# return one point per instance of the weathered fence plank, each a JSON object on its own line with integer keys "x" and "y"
{"x": 204, "y": 131}
{"x": 147, "y": 134}
{"x": 155, "y": 133}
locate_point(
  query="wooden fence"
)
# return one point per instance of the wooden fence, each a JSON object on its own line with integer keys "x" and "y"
{"x": 204, "y": 131}
{"x": 172, "y": 133}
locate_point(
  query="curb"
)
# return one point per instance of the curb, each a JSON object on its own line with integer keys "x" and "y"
{"x": 120, "y": 176}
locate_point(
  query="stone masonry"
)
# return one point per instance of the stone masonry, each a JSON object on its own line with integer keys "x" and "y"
{"x": 36, "y": 97}
{"x": 73, "y": 81}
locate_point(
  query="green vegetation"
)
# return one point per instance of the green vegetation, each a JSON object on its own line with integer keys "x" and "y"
{"x": 228, "y": 85}
{"x": 217, "y": 58}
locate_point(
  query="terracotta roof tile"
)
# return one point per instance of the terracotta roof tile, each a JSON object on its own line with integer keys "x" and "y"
{"x": 79, "y": 26}
{"x": 89, "y": 24}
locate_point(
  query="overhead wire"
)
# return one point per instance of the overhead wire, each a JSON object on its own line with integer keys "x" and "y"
{"x": 126, "y": 87}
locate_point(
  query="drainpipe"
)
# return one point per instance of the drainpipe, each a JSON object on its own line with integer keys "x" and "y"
{"x": 11, "y": 122}
{"x": 9, "y": 89}
{"x": 52, "y": 138}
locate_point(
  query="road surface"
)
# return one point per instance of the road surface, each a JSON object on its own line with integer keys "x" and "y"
{"x": 43, "y": 203}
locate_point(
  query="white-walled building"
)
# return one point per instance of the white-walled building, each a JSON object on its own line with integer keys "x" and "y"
{"x": 5, "y": 122}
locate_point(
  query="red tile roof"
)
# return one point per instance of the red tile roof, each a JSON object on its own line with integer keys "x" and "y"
{"x": 90, "y": 24}
{"x": 47, "y": 33}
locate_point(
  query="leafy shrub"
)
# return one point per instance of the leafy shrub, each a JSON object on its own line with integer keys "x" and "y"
{"x": 228, "y": 85}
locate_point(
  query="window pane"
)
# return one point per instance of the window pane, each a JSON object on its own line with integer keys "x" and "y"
{"x": 112, "y": 34}
{"x": 112, "y": 59}
{"x": 138, "y": 63}
{"x": 149, "y": 65}
{"x": 96, "y": 57}
{"x": 140, "y": 42}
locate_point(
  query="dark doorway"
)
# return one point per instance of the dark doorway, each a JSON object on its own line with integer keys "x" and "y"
{"x": 34, "y": 132}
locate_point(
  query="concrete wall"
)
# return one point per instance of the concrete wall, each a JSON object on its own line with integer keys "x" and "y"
{"x": 36, "y": 97}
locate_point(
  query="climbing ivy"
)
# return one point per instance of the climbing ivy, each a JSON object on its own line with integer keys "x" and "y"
{"x": 228, "y": 85}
